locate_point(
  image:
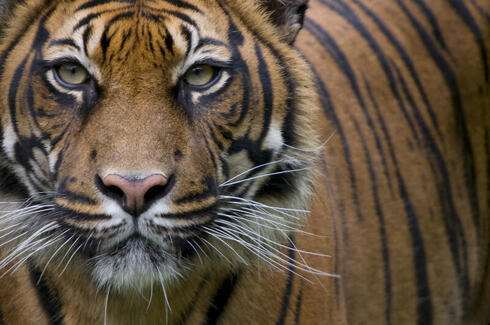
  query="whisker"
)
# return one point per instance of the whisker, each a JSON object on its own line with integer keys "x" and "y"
{"x": 66, "y": 254}
{"x": 216, "y": 249}
{"x": 270, "y": 240}
{"x": 229, "y": 246}
{"x": 267, "y": 256}
{"x": 164, "y": 292}
{"x": 256, "y": 203}
{"x": 195, "y": 250}
{"x": 11, "y": 257}
{"x": 151, "y": 296}
{"x": 69, "y": 260}
{"x": 316, "y": 149}
{"x": 106, "y": 303}
{"x": 249, "y": 170}
{"x": 244, "y": 232}
{"x": 24, "y": 259}
{"x": 267, "y": 175}
{"x": 271, "y": 227}
{"x": 53, "y": 255}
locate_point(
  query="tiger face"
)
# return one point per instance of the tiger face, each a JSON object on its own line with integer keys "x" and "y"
{"x": 147, "y": 132}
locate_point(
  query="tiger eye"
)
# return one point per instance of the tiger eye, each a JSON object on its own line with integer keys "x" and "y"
{"x": 200, "y": 75}
{"x": 72, "y": 74}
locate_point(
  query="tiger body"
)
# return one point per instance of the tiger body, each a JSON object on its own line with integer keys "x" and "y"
{"x": 385, "y": 139}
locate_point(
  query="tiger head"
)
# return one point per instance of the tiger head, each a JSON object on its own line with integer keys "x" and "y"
{"x": 146, "y": 132}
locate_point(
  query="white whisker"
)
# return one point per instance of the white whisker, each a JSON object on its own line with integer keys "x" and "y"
{"x": 229, "y": 246}
{"x": 106, "y": 303}
{"x": 316, "y": 149}
{"x": 69, "y": 260}
{"x": 249, "y": 170}
{"x": 267, "y": 175}
{"x": 66, "y": 253}
{"x": 167, "y": 304}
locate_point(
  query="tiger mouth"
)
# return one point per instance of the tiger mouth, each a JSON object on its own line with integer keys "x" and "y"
{"x": 180, "y": 247}
{"x": 179, "y": 238}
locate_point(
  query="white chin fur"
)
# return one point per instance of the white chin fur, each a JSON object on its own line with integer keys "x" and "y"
{"x": 134, "y": 267}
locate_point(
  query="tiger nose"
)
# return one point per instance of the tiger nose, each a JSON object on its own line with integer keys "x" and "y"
{"x": 135, "y": 194}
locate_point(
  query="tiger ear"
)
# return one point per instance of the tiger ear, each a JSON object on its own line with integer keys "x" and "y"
{"x": 287, "y": 15}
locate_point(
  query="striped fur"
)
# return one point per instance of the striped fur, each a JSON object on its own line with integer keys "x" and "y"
{"x": 385, "y": 138}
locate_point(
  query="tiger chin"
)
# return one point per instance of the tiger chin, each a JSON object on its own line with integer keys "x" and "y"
{"x": 147, "y": 143}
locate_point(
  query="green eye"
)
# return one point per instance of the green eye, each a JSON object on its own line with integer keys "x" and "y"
{"x": 72, "y": 74}
{"x": 200, "y": 75}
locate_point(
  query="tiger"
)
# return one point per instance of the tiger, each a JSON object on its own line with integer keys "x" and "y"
{"x": 244, "y": 162}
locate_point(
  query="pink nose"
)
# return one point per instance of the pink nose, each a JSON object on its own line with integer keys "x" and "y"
{"x": 135, "y": 192}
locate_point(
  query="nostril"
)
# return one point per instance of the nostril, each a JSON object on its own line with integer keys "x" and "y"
{"x": 111, "y": 191}
{"x": 115, "y": 191}
{"x": 159, "y": 191}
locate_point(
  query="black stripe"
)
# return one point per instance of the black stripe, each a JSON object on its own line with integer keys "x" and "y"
{"x": 75, "y": 197}
{"x": 452, "y": 221}
{"x": 177, "y": 14}
{"x": 470, "y": 22}
{"x": 187, "y": 35}
{"x": 169, "y": 41}
{"x": 85, "y": 21}
{"x": 459, "y": 116}
{"x": 61, "y": 213}
{"x": 268, "y": 94}
{"x": 59, "y": 158}
{"x": 191, "y": 306}
{"x": 350, "y": 16}
{"x": 286, "y": 297}
{"x": 87, "y": 33}
{"x": 95, "y": 3}
{"x": 344, "y": 65}
{"x": 211, "y": 153}
{"x": 63, "y": 192}
{"x": 220, "y": 300}
{"x": 236, "y": 39}
{"x": 424, "y": 304}
{"x": 195, "y": 214}
{"x": 209, "y": 41}
{"x": 49, "y": 299}
{"x": 216, "y": 141}
{"x": 337, "y": 218}
{"x": 406, "y": 59}
{"x": 433, "y": 22}
{"x": 27, "y": 26}
{"x": 12, "y": 95}
{"x": 381, "y": 219}
{"x": 105, "y": 39}
{"x": 332, "y": 48}
{"x": 2, "y": 322}
{"x": 480, "y": 10}
{"x": 299, "y": 302}
{"x": 210, "y": 191}
{"x": 65, "y": 41}
{"x": 183, "y": 5}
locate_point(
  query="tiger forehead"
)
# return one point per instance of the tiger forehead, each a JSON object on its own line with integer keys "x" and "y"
{"x": 148, "y": 30}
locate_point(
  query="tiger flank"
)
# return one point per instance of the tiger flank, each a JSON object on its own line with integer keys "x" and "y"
{"x": 244, "y": 162}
